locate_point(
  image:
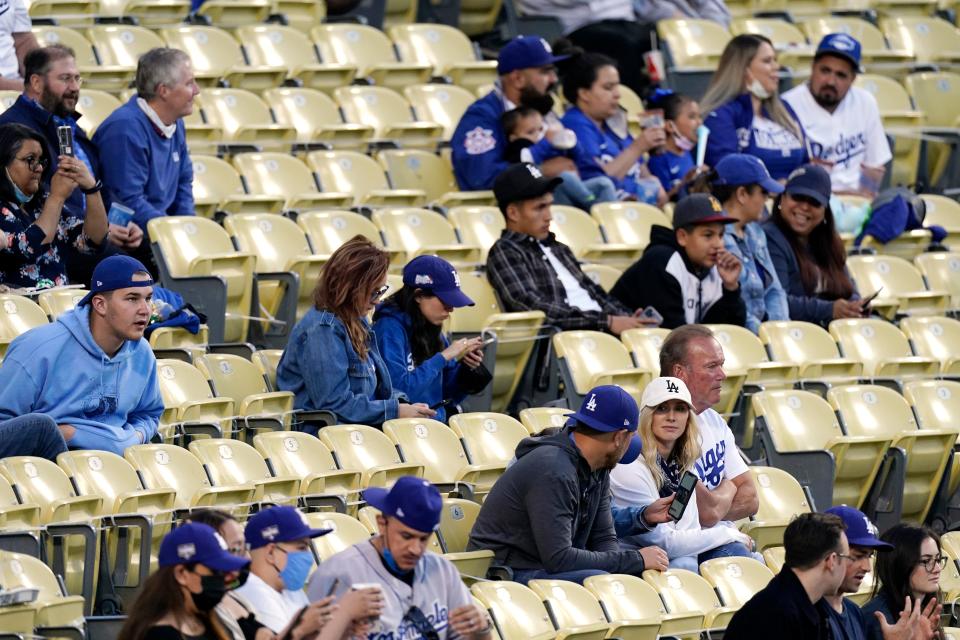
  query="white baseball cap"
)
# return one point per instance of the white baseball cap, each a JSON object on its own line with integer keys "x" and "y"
{"x": 662, "y": 389}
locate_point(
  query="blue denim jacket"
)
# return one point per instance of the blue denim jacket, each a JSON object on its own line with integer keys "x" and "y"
{"x": 322, "y": 369}
{"x": 760, "y": 286}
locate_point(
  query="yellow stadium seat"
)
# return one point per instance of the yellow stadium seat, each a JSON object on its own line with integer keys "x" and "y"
{"x": 435, "y": 446}
{"x": 231, "y": 462}
{"x": 928, "y": 39}
{"x": 901, "y": 282}
{"x": 122, "y": 45}
{"x": 874, "y": 46}
{"x": 537, "y": 419}
{"x": 743, "y": 351}
{"x": 217, "y": 187}
{"x": 736, "y": 579}
{"x": 685, "y": 592}
{"x": 591, "y": 358}
{"x": 148, "y": 13}
{"x": 424, "y": 171}
{"x": 360, "y": 175}
{"x": 95, "y": 106}
{"x": 197, "y": 253}
{"x": 316, "y": 117}
{"x": 399, "y": 12}
{"x": 300, "y": 455}
{"x": 369, "y": 51}
{"x": 69, "y": 12}
{"x": 216, "y": 56}
{"x": 781, "y": 498}
{"x": 940, "y": 270}
{"x": 603, "y": 274}
{"x": 574, "y": 607}
{"x": 301, "y": 14}
{"x": 244, "y": 117}
{"x": 936, "y": 404}
{"x": 56, "y": 302}
{"x": 370, "y": 451}
{"x": 14, "y": 515}
{"x": 576, "y": 229}
{"x": 97, "y": 74}
{"x": 811, "y": 348}
{"x": 456, "y": 522}
{"x": 165, "y": 466}
{"x": 478, "y": 16}
{"x": 346, "y": 532}
{"x": 629, "y": 600}
{"x": 478, "y": 225}
{"x": 882, "y": 348}
{"x": 440, "y": 103}
{"x": 420, "y": 231}
{"x": 280, "y": 246}
{"x": 488, "y": 438}
{"x": 791, "y": 44}
{"x": 202, "y": 137}
{"x": 232, "y": 376}
{"x": 52, "y": 608}
{"x": 389, "y": 114}
{"x": 945, "y": 212}
{"x": 693, "y": 44}
{"x": 273, "y": 45}
{"x": 901, "y": 120}
{"x": 174, "y": 342}
{"x": 18, "y": 315}
{"x": 628, "y": 222}
{"x": 327, "y": 230}
{"x": 447, "y": 49}
{"x": 235, "y": 13}
{"x": 8, "y": 97}
{"x": 937, "y": 338}
{"x": 279, "y": 174}
{"x": 519, "y": 614}
{"x": 189, "y": 400}
{"x": 801, "y": 434}
{"x": 267, "y": 361}
{"x": 933, "y": 93}
{"x": 881, "y": 412}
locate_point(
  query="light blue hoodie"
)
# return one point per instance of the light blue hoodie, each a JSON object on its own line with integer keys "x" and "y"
{"x": 59, "y": 370}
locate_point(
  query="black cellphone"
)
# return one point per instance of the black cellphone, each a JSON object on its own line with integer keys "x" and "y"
{"x": 866, "y": 301}
{"x": 687, "y": 484}
{"x": 442, "y": 403}
{"x": 333, "y": 587}
{"x": 65, "y": 138}
{"x": 293, "y": 625}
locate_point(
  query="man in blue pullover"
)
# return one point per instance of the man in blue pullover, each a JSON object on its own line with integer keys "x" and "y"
{"x": 527, "y": 72}
{"x": 91, "y": 370}
{"x": 143, "y": 143}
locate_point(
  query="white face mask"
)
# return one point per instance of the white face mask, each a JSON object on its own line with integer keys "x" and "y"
{"x": 758, "y": 90}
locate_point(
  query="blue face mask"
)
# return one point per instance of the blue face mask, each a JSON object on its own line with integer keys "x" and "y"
{"x": 392, "y": 564}
{"x": 22, "y": 198}
{"x": 294, "y": 575}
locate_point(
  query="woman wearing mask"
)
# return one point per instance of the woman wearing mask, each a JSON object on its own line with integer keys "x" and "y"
{"x": 742, "y": 185}
{"x": 177, "y": 601}
{"x": 668, "y": 429}
{"x": 332, "y": 361}
{"x": 910, "y": 571}
{"x": 422, "y": 362}
{"x": 745, "y": 113}
{"x": 35, "y": 228}
{"x": 673, "y": 163}
{"x": 807, "y": 252}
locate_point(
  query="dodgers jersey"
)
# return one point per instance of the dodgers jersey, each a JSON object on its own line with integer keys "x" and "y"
{"x": 850, "y": 136}
{"x": 437, "y": 590}
{"x": 719, "y": 458}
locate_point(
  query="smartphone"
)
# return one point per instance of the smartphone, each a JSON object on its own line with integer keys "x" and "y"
{"x": 687, "y": 484}
{"x": 333, "y": 587}
{"x": 293, "y": 625}
{"x": 442, "y": 403}
{"x": 866, "y": 301}
{"x": 65, "y": 138}
{"x": 652, "y": 314}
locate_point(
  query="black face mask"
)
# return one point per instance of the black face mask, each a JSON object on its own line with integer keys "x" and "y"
{"x": 542, "y": 102}
{"x": 212, "y": 590}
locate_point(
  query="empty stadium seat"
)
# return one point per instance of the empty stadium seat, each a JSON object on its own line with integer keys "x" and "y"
{"x": 520, "y": 614}
{"x": 628, "y": 599}
{"x": 574, "y": 607}
{"x": 95, "y": 106}
{"x": 743, "y": 351}
{"x": 216, "y": 56}
{"x": 56, "y": 302}
{"x": 301, "y": 14}
{"x": 576, "y": 229}
{"x": 96, "y": 74}
{"x": 628, "y": 222}
{"x": 244, "y": 117}
{"x": 901, "y": 283}
{"x": 360, "y": 175}
{"x": 234, "y": 377}
{"x": 693, "y": 45}
{"x": 430, "y": 173}
{"x": 273, "y": 45}
{"x": 188, "y": 399}
{"x": 928, "y": 39}
{"x": 147, "y": 13}
{"x": 736, "y": 579}
{"x": 234, "y": 13}
{"x": 478, "y": 225}
{"x": 231, "y": 462}
{"x": 121, "y": 46}
{"x": 781, "y": 498}
{"x": 300, "y": 455}
{"x": 536, "y": 419}
{"x": 389, "y": 114}
{"x": 940, "y": 270}
{"x": 440, "y": 103}
{"x": 346, "y": 531}
{"x": 316, "y": 117}
{"x": 18, "y": 315}
{"x": 875, "y": 52}
{"x": 811, "y": 348}
{"x": 489, "y": 438}
{"x": 882, "y": 348}
{"x": 936, "y": 405}
{"x": 420, "y": 231}
{"x": 370, "y": 451}
{"x": 52, "y": 608}
{"x": 279, "y": 174}
{"x": 901, "y": 120}
{"x": 370, "y": 52}
{"x": 217, "y": 187}
{"x": 937, "y": 338}
{"x": 880, "y": 412}
{"x": 14, "y": 515}
{"x": 685, "y": 592}
{"x": 790, "y": 43}
{"x": 456, "y": 522}
{"x": 267, "y": 361}
{"x": 448, "y": 50}
{"x": 603, "y": 274}
{"x": 327, "y": 230}
{"x": 591, "y": 358}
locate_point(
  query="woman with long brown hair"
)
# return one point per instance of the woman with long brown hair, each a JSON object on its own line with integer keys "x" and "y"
{"x": 332, "y": 361}
{"x": 807, "y": 252}
{"x": 177, "y": 601}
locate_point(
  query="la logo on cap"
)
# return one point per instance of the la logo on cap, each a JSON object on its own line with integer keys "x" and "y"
{"x": 842, "y": 42}
{"x": 672, "y": 387}
{"x": 592, "y": 402}
{"x": 186, "y": 551}
{"x": 270, "y": 532}
{"x": 546, "y": 46}
{"x": 456, "y": 277}
{"x": 716, "y": 204}
{"x": 534, "y": 171}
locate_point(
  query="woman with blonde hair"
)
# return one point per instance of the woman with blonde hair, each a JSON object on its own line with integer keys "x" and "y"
{"x": 745, "y": 113}
{"x": 671, "y": 447}
{"x": 331, "y": 361}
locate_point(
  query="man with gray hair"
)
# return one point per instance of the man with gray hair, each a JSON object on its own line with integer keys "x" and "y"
{"x": 143, "y": 143}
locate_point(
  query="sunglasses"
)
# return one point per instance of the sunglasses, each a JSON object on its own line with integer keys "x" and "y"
{"x": 379, "y": 293}
{"x": 419, "y": 621}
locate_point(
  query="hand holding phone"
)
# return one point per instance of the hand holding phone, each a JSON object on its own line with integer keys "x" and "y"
{"x": 65, "y": 138}
{"x": 866, "y": 301}
{"x": 684, "y": 492}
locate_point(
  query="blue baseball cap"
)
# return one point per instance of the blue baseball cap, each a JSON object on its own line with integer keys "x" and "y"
{"x": 609, "y": 408}
{"x": 841, "y": 45}
{"x": 437, "y": 276}
{"x": 526, "y": 52}
{"x": 739, "y": 169}
{"x": 116, "y": 272}
{"x": 810, "y": 180}
{"x": 279, "y": 524}
{"x": 411, "y": 500}
{"x": 198, "y": 543}
{"x": 860, "y": 531}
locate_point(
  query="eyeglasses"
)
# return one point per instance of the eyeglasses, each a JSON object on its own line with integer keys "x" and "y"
{"x": 238, "y": 550}
{"x": 34, "y": 162}
{"x": 932, "y": 563}
{"x": 846, "y": 556}
{"x": 864, "y": 556}
{"x": 67, "y": 79}
{"x": 379, "y": 293}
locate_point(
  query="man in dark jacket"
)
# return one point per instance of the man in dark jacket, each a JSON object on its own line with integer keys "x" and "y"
{"x": 686, "y": 274}
{"x": 548, "y": 516}
{"x": 817, "y": 553}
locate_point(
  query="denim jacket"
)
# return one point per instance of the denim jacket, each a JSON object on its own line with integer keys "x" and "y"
{"x": 322, "y": 369}
{"x": 760, "y": 286}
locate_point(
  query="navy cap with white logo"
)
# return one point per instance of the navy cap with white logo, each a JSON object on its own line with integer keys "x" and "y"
{"x": 279, "y": 524}
{"x": 195, "y": 543}
{"x": 526, "y": 52}
{"x": 609, "y": 408}
{"x": 436, "y": 275}
{"x": 523, "y": 181}
{"x": 413, "y": 501}
{"x": 116, "y": 272}
{"x": 841, "y": 45}
{"x": 860, "y": 531}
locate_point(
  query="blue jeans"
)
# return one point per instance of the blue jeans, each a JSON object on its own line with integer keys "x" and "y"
{"x": 583, "y": 194}
{"x": 523, "y": 576}
{"x": 33, "y": 434}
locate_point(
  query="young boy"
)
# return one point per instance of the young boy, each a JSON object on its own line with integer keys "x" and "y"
{"x": 686, "y": 274}
{"x": 524, "y": 128}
